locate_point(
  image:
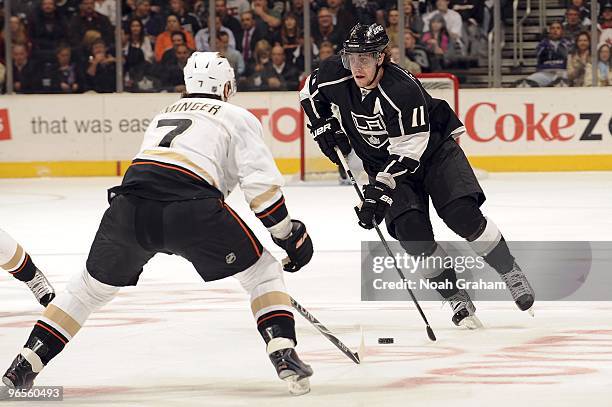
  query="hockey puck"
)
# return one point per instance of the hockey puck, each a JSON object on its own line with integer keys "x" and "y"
{"x": 385, "y": 341}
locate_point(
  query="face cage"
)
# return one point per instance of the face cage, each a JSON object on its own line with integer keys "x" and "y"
{"x": 359, "y": 60}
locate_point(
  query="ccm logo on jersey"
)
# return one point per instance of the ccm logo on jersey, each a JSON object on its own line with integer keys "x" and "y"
{"x": 371, "y": 129}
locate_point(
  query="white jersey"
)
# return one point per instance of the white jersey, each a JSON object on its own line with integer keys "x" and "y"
{"x": 215, "y": 141}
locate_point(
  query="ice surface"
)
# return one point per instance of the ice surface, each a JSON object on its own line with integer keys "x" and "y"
{"x": 174, "y": 340}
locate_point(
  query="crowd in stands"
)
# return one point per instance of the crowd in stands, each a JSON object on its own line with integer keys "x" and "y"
{"x": 564, "y": 55}
{"x": 68, "y": 46}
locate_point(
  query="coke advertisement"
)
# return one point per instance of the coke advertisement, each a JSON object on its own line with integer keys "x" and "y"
{"x": 553, "y": 121}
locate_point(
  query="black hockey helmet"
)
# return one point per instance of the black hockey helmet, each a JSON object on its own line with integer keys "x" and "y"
{"x": 366, "y": 38}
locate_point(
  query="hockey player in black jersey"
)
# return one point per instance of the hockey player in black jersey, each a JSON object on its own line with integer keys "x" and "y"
{"x": 406, "y": 140}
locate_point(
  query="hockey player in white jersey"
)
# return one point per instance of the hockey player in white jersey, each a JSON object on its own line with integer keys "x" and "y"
{"x": 18, "y": 263}
{"x": 171, "y": 200}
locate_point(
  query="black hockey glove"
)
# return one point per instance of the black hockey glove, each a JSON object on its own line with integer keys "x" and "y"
{"x": 376, "y": 201}
{"x": 328, "y": 134}
{"x": 297, "y": 245}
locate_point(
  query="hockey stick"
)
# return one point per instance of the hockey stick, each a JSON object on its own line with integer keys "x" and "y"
{"x": 430, "y": 332}
{"x": 354, "y": 356}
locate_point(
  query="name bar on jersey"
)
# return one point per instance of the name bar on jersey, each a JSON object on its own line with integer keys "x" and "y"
{"x": 191, "y": 106}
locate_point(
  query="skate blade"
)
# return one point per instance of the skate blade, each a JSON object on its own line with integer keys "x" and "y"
{"x": 530, "y": 311}
{"x": 471, "y": 322}
{"x": 297, "y": 386}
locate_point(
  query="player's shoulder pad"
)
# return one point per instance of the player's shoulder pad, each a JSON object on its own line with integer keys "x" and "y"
{"x": 398, "y": 83}
{"x": 241, "y": 117}
{"x": 331, "y": 70}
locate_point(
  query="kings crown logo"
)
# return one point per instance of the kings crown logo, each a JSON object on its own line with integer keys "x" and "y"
{"x": 371, "y": 128}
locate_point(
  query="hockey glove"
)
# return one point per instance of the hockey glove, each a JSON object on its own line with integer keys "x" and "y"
{"x": 376, "y": 201}
{"x": 328, "y": 134}
{"x": 297, "y": 245}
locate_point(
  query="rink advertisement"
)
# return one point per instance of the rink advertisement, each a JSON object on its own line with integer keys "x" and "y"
{"x": 95, "y": 134}
{"x": 538, "y": 129}
{"x": 569, "y": 271}
{"x": 508, "y": 130}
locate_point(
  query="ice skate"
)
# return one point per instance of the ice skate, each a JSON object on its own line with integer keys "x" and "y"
{"x": 20, "y": 375}
{"x": 464, "y": 310}
{"x": 26, "y": 366}
{"x": 41, "y": 288}
{"x": 289, "y": 366}
{"x": 519, "y": 287}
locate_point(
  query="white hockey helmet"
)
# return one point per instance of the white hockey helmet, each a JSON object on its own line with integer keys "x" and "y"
{"x": 207, "y": 73}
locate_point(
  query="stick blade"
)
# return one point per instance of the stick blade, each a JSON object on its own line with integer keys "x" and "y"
{"x": 431, "y": 334}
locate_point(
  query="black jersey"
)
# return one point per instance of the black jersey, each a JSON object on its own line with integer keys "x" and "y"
{"x": 397, "y": 117}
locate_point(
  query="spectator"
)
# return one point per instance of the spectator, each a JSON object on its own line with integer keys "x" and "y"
{"x": 288, "y": 36}
{"x": 326, "y": 51}
{"x": 297, "y": 8}
{"x": 67, "y": 77}
{"x": 573, "y": 25}
{"x": 19, "y": 33}
{"x": 136, "y": 39}
{"x": 89, "y": 19}
{"x": 340, "y": 15}
{"x": 365, "y": 11}
{"x": 603, "y": 69}
{"x": 169, "y": 57}
{"x": 21, "y": 8}
{"x": 67, "y": 8}
{"x": 454, "y": 24}
{"x": 408, "y": 64}
{"x": 249, "y": 36}
{"x": 172, "y": 78}
{"x": 163, "y": 41}
{"x": 47, "y": 28}
{"x": 235, "y": 8}
{"x": 254, "y": 69}
{"x": 471, "y": 11}
{"x": 202, "y": 38}
{"x": 233, "y": 23}
{"x": 585, "y": 12}
{"x": 325, "y": 30}
{"x": 474, "y": 40}
{"x": 107, "y": 8}
{"x": 267, "y": 19}
{"x": 412, "y": 20}
{"x": 23, "y": 70}
{"x": 552, "y": 58}
{"x": 152, "y": 22}
{"x": 234, "y": 57}
{"x": 393, "y": 27}
{"x": 100, "y": 74}
{"x": 436, "y": 40}
{"x": 280, "y": 74}
{"x": 578, "y": 59}
{"x": 188, "y": 21}
{"x": 415, "y": 52}
{"x": 82, "y": 52}
{"x": 605, "y": 24}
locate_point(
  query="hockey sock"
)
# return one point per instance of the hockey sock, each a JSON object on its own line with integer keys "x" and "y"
{"x": 277, "y": 324}
{"x": 14, "y": 259}
{"x": 500, "y": 258}
{"x": 270, "y": 303}
{"x": 26, "y": 270}
{"x": 446, "y": 283}
{"x": 491, "y": 245}
{"x": 45, "y": 341}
